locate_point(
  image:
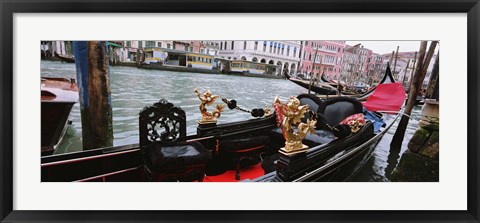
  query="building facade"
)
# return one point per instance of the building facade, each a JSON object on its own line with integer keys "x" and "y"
{"x": 358, "y": 65}
{"x": 376, "y": 68}
{"x": 405, "y": 67}
{"x": 210, "y": 48}
{"x": 284, "y": 54}
{"x": 128, "y": 54}
{"x": 327, "y": 55}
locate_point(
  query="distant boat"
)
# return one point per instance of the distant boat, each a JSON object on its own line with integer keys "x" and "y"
{"x": 65, "y": 58}
{"x": 330, "y": 89}
{"x": 319, "y": 88}
{"x": 58, "y": 95}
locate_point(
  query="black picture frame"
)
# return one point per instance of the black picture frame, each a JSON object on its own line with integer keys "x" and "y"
{"x": 9, "y": 7}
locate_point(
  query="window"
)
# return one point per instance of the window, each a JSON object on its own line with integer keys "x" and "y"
{"x": 244, "y": 45}
{"x": 149, "y": 43}
{"x": 129, "y": 44}
{"x": 233, "y": 43}
{"x": 140, "y": 44}
{"x": 159, "y": 44}
{"x": 225, "y": 46}
{"x": 168, "y": 45}
{"x": 148, "y": 54}
{"x": 256, "y": 45}
{"x": 221, "y": 45}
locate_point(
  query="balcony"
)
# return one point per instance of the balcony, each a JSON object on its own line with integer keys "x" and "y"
{"x": 182, "y": 41}
{"x": 327, "y": 51}
{"x": 260, "y": 53}
{"x": 273, "y": 55}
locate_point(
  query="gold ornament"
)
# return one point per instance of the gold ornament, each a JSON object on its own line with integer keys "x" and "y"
{"x": 267, "y": 111}
{"x": 292, "y": 113}
{"x": 207, "y": 99}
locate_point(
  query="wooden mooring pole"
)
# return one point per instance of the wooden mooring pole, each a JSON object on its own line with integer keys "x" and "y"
{"x": 312, "y": 72}
{"x": 91, "y": 61}
{"x": 417, "y": 81}
{"x": 395, "y": 63}
{"x": 409, "y": 83}
{"x": 432, "y": 89}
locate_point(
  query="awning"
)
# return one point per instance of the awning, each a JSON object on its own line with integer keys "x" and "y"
{"x": 114, "y": 44}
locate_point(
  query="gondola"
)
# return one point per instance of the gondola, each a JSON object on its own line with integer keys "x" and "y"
{"x": 58, "y": 95}
{"x": 319, "y": 88}
{"x": 326, "y": 88}
{"x": 324, "y": 79}
{"x": 64, "y": 58}
{"x": 246, "y": 151}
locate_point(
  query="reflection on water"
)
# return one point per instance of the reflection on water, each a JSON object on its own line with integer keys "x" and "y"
{"x": 132, "y": 89}
{"x": 380, "y": 166}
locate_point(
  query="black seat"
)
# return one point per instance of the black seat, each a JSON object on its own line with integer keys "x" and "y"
{"x": 247, "y": 147}
{"x": 311, "y": 140}
{"x": 167, "y": 155}
{"x": 176, "y": 156}
{"x": 314, "y": 103}
{"x": 234, "y": 147}
{"x": 336, "y": 110}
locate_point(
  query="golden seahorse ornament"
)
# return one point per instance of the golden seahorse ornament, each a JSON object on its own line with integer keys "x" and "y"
{"x": 289, "y": 115}
{"x": 207, "y": 99}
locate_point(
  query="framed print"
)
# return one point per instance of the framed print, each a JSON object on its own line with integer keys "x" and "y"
{"x": 185, "y": 92}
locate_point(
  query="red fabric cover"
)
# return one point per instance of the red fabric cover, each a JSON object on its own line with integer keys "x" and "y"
{"x": 387, "y": 98}
{"x": 250, "y": 172}
{"x": 350, "y": 120}
{"x": 279, "y": 111}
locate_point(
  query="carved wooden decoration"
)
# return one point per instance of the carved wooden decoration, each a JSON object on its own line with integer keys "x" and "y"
{"x": 163, "y": 123}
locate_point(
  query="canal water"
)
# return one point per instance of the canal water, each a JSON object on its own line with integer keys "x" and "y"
{"x": 132, "y": 89}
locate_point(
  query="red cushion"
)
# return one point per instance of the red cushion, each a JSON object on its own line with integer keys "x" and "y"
{"x": 355, "y": 121}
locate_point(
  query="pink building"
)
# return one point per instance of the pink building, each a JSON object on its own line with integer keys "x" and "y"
{"x": 187, "y": 45}
{"x": 357, "y": 63}
{"x": 376, "y": 68}
{"x": 330, "y": 53}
